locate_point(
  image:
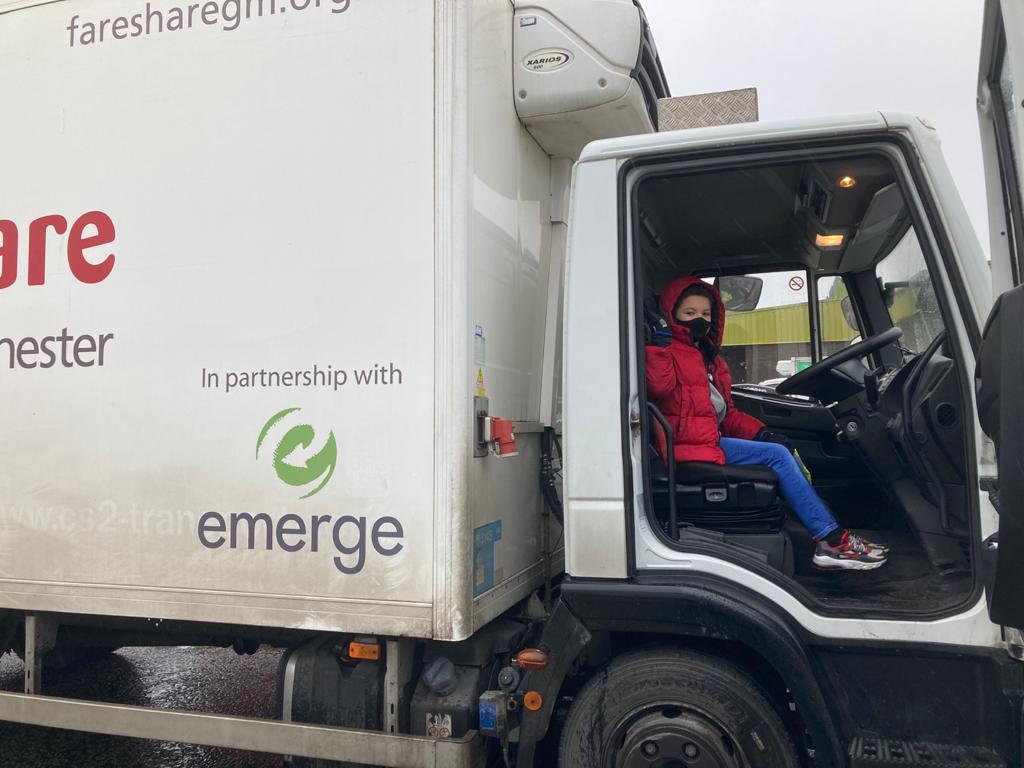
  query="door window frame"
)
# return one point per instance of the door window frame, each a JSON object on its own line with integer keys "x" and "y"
{"x": 938, "y": 253}
{"x": 1009, "y": 163}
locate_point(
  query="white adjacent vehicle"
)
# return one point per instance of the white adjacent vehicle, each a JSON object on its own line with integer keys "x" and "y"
{"x": 301, "y": 299}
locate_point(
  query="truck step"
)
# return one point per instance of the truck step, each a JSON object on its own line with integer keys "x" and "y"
{"x": 867, "y": 752}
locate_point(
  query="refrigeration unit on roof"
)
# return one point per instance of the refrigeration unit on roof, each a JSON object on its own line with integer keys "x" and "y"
{"x": 585, "y": 70}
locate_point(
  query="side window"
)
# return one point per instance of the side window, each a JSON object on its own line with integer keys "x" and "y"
{"x": 1007, "y": 124}
{"x": 767, "y": 338}
{"x": 909, "y": 293}
{"x": 839, "y": 324}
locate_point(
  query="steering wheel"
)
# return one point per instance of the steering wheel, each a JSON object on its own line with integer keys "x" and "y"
{"x": 809, "y": 380}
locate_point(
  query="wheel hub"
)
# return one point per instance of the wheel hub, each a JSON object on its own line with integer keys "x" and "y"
{"x": 671, "y": 737}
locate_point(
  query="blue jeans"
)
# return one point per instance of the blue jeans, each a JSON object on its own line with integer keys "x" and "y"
{"x": 795, "y": 489}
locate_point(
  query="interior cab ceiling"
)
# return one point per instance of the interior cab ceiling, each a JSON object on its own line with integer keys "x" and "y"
{"x": 763, "y": 218}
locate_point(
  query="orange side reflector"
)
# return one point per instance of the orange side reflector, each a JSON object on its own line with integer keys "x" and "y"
{"x": 368, "y": 651}
{"x": 533, "y": 701}
{"x": 531, "y": 659}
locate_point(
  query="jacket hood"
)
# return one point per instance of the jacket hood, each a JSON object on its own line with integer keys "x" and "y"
{"x": 670, "y": 297}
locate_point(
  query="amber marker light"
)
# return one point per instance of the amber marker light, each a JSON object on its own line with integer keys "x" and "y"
{"x": 533, "y": 701}
{"x": 828, "y": 241}
{"x": 847, "y": 182}
{"x": 366, "y": 651}
{"x": 532, "y": 659}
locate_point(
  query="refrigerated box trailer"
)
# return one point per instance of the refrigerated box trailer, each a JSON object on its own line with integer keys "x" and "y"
{"x": 299, "y": 302}
{"x": 273, "y": 292}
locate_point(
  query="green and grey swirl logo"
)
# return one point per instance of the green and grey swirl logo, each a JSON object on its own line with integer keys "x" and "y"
{"x": 292, "y": 460}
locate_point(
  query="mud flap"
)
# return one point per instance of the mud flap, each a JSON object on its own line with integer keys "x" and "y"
{"x": 566, "y": 636}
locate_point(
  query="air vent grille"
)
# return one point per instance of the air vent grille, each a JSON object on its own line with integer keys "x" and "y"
{"x": 649, "y": 73}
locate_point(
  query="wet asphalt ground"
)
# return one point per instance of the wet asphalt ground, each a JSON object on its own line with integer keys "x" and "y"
{"x": 197, "y": 679}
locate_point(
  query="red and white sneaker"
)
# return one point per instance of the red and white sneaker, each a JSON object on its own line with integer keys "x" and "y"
{"x": 852, "y": 553}
{"x": 882, "y": 549}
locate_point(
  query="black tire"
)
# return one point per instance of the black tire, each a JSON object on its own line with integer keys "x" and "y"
{"x": 667, "y": 707}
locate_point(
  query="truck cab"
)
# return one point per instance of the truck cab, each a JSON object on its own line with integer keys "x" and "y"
{"x": 848, "y": 267}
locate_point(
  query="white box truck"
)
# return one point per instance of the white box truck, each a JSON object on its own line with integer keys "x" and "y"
{"x": 300, "y": 299}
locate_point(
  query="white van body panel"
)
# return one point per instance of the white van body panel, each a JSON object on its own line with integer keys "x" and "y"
{"x": 271, "y": 214}
{"x": 510, "y": 238}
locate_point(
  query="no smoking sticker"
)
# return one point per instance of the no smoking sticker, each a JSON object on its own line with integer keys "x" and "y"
{"x": 796, "y": 283}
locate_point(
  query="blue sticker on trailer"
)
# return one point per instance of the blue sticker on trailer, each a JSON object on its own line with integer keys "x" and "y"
{"x": 484, "y": 538}
{"x": 488, "y": 716}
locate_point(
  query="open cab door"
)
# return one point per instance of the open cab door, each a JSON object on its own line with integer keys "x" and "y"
{"x": 1001, "y": 113}
{"x": 1000, "y": 372}
{"x": 1000, "y": 376}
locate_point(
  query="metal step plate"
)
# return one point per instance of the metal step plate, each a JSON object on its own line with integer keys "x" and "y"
{"x": 867, "y": 752}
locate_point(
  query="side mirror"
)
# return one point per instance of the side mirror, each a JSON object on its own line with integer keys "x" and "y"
{"x": 740, "y": 293}
{"x": 848, "y": 314}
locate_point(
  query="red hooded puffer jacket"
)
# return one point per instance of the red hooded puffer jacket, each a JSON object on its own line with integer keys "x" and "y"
{"x": 677, "y": 382}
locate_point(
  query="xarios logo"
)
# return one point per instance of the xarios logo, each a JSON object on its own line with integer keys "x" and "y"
{"x": 293, "y": 459}
{"x": 547, "y": 60}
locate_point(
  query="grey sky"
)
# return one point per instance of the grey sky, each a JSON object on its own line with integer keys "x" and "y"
{"x": 820, "y": 57}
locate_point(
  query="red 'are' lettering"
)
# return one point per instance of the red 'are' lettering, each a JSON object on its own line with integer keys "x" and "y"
{"x": 90, "y": 230}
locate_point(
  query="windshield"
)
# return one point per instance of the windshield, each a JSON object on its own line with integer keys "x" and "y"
{"x": 909, "y": 293}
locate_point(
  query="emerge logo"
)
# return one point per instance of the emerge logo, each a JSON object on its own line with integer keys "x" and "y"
{"x": 299, "y": 465}
{"x": 293, "y": 460}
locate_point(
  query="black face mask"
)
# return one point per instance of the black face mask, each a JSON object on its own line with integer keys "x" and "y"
{"x": 698, "y": 328}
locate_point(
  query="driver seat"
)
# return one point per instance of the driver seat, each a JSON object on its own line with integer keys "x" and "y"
{"x": 728, "y": 498}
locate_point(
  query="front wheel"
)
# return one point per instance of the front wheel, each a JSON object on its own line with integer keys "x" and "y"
{"x": 668, "y": 708}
